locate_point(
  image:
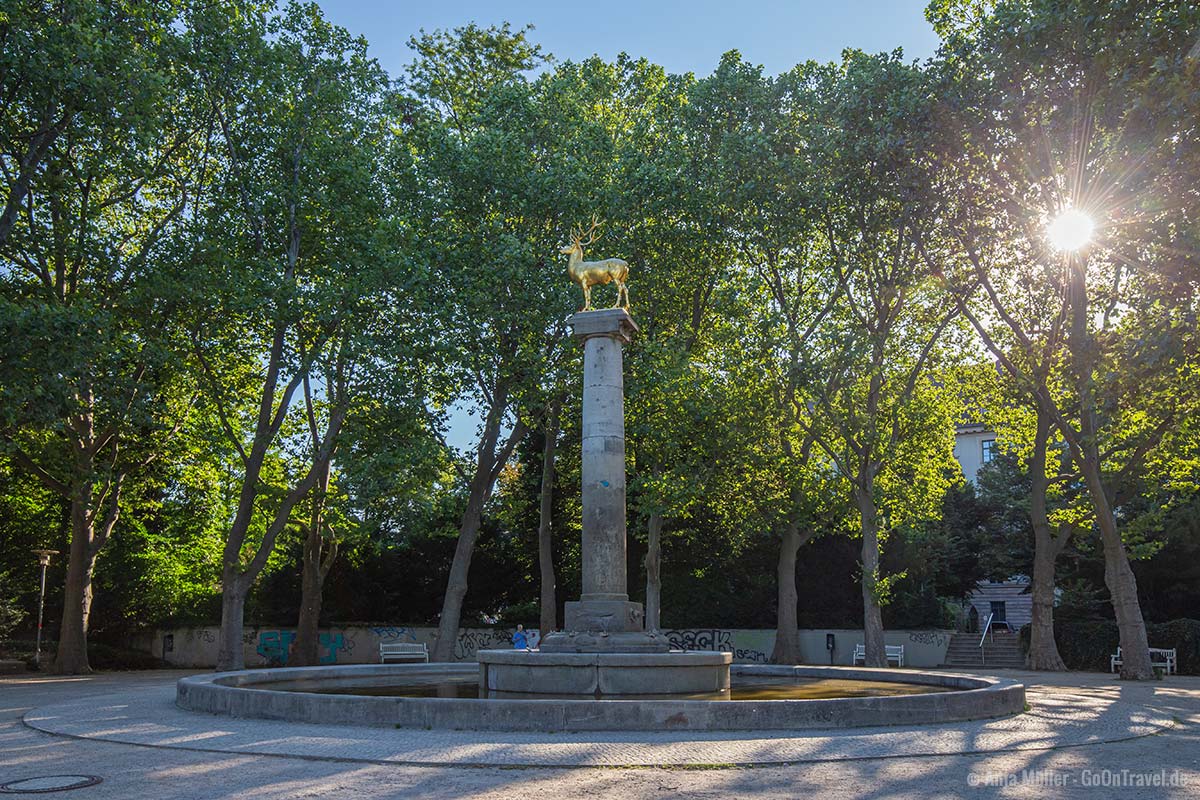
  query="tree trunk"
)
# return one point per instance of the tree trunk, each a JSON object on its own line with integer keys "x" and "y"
{"x": 549, "y": 609}
{"x": 35, "y": 153}
{"x": 306, "y": 647}
{"x": 1122, "y": 585}
{"x": 233, "y": 608}
{"x": 488, "y": 464}
{"x": 236, "y": 578}
{"x": 876, "y": 655}
{"x": 653, "y": 563}
{"x": 1118, "y": 575}
{"x": 72, "y": 657}
{"x": 456, "y": 584}
{"x": 787, "y": 630}
{"x": 1043, "y": 651}
{"x": 318, "y": 559}
{"x": 86, "y": 540}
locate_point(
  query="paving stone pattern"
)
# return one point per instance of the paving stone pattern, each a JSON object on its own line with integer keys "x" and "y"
{"x": 149, "y": 717}
{"x": 1079, "y": 725}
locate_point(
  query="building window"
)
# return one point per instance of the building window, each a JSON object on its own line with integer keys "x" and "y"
{"x": 989, "y": 450}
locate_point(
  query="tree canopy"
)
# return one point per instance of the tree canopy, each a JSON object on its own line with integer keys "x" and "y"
{"x": 253, "y": 289}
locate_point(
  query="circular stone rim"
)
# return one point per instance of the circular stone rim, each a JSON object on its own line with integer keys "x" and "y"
{"x": 83, "y": 782}
{"x": 233, "y": 694}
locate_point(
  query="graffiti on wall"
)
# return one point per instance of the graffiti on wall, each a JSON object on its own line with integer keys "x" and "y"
{"x": 276, "y": 646}
{"x": 391, "y": 633}
{"x": 352, "y": 644}
{"x": 935, "y": 638}
{"x": 750, "y": 654}
{"x": 715, "y": 640}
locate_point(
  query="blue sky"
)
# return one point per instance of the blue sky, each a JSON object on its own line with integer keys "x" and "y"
{"x": 681, "y": 36}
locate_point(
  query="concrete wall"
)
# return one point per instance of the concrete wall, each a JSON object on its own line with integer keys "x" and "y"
{"x": 197, "y": 647}
{"x": 921, "y": 648}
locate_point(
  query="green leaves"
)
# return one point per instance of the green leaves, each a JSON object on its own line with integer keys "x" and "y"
{"x": 206, "y": 202}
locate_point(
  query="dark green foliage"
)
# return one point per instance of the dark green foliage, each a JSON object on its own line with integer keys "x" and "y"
{"x": 1169, "y": 581}
{"x": 408, "y": 232}
{"x": 1089, "y": 644}
{"x": 117, "y": 655}
{"x": 120, "y": 657}
{"x": 11, "y": 613}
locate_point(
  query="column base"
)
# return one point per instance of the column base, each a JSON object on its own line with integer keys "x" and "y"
{"x": 604, "y": 642}
{"x": 604, "y": 626}
{"x": 609, "y": 616}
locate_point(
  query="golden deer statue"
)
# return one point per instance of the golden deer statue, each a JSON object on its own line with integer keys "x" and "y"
{"x": 594, "y": 273}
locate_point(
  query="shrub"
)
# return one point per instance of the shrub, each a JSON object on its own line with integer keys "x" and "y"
{"x": 528, "y": 614}
{"x": 104, "y": 656}
{"x": 1089, "y": 644}
{"x": 1184, "y": 636}
{"x": 10, "y": 613}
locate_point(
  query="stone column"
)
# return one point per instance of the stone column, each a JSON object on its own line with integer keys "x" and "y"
{"x": 603, "y": 620}
{"x": 603, "y": 448}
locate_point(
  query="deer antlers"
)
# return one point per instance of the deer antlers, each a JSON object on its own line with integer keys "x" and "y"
{"x": 577, "y": 234}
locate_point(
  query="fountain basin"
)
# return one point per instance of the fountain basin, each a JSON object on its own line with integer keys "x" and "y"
{"x": 235, "y": 694}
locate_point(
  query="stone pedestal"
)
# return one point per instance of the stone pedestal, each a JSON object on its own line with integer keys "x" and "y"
{"x": 603, "y": 619}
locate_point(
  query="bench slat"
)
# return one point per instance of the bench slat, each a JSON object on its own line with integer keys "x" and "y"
{"x": 1159, "y": 657}
{"x": 893, "y": 652}
{"x": 408, "y": 651}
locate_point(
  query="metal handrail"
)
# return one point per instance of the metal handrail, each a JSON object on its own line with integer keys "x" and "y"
{"x": 986, "y": 628}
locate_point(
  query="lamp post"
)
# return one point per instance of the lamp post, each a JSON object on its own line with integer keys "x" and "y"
{"x": 44, "y": 560}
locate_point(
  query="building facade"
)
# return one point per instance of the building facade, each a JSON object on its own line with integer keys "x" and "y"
{"x": 1008, "y": 601}
{"x": 974, "y": 446}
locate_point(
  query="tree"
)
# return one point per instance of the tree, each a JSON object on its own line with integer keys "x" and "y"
{"x": 584, "y": 140}
{"x": 495, "y": 167}
{"x": 10, "y": 614}
{"x": 321, "y": 539}
{"x": 1055, "y": 114}
{"x": 1049, "y": 497}
{"x": 746, "y": 135}
{"x": 285, "y": 252}
{"x": 876, "y": 410}
{"x": 101, "y": 148}
{"x": 655, "y": 220}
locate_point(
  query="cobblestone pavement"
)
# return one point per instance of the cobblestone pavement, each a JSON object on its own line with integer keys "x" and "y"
{"x": 1075, "y": 742}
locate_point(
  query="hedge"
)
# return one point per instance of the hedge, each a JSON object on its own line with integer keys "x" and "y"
{"x": 1089, "y": 644}
{"x": 100, "y": 656}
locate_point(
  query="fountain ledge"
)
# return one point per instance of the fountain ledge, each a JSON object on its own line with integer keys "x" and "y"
{"x": 233, "y": 694}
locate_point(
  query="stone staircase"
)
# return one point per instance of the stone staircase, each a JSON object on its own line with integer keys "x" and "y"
{"x": 1002, "y": 650}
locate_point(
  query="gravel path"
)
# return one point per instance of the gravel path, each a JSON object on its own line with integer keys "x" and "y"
{"x": 1076, "y": 742}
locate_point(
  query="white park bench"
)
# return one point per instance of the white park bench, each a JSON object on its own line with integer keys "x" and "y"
{"x": 403, "y": 651}
{"x": 895, "y": 652}
{"x": 1159, "y": 657}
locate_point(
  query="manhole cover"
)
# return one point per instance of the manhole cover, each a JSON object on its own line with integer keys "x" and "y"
{"x": 49, "y": 783}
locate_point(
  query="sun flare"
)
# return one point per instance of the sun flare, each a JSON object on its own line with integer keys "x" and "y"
{"x": 1070, "y": 230}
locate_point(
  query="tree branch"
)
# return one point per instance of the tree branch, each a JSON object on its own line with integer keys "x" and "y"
{"x": 52, "y": 483}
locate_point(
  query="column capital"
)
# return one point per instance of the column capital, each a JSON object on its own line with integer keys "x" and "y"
{"x": 614, "y": 323}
